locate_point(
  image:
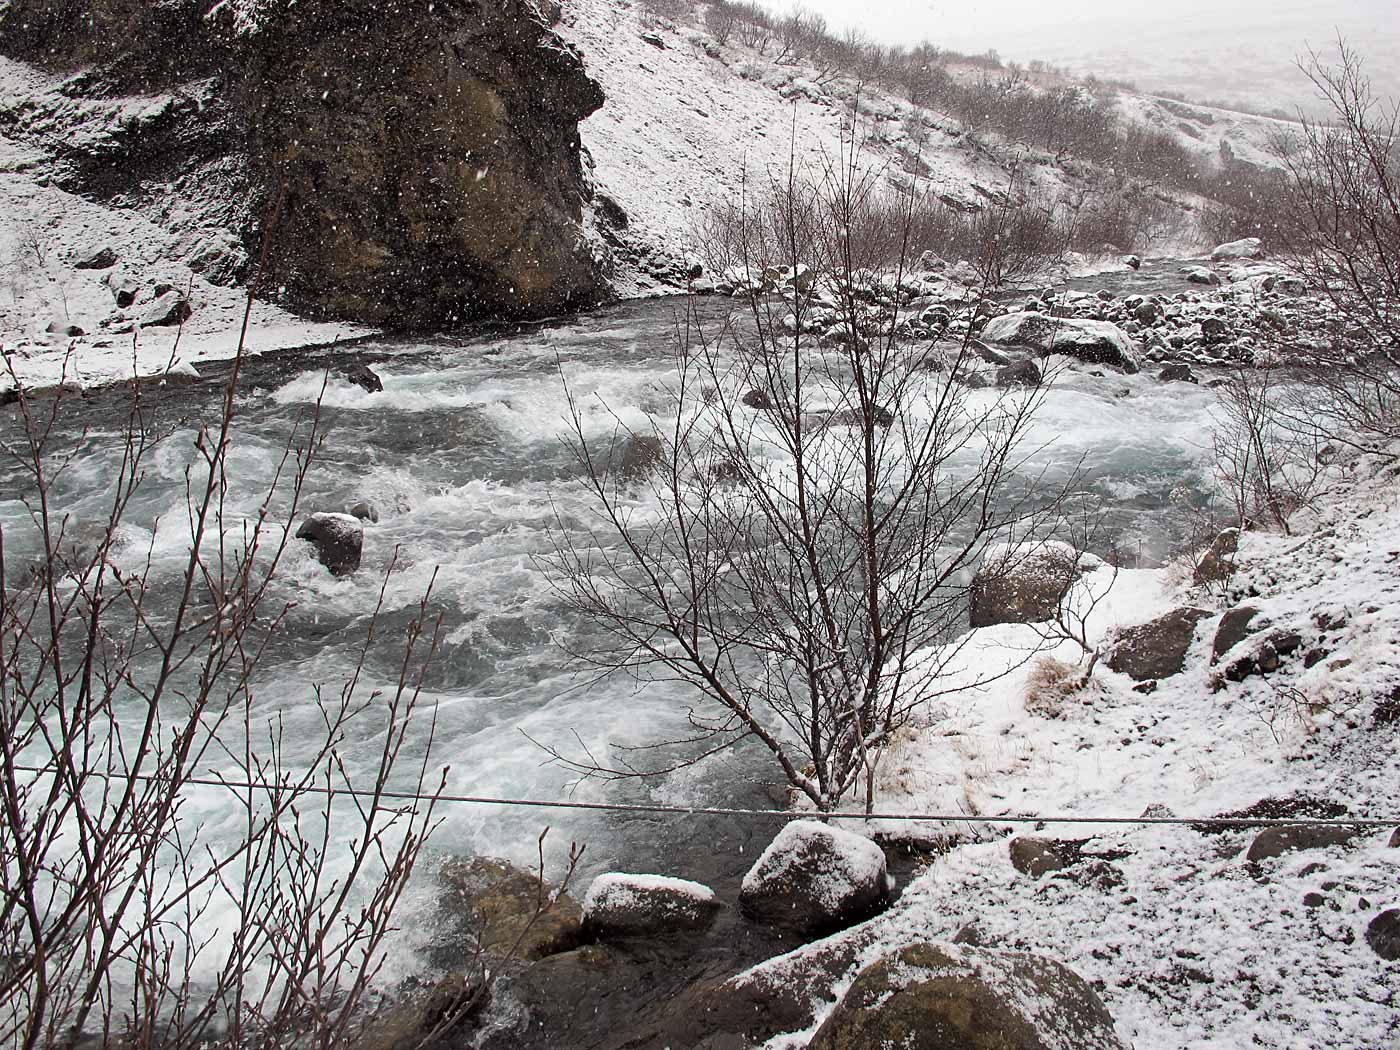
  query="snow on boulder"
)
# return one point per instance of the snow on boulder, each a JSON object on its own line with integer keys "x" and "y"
{"x": 1246, "y": 248}
{"x": 1025, "y": 583}
{"x": 338, "y": 539}
{"x": 1094, "y": 342}
{"x": 1156, "y": 649}
{"x": 167, "y": 310}
{"x": 1200, "y": 275}
{"x": 619, "y": 905}
{"x": 946, "y": 995}
{"x": 813, "y": 878}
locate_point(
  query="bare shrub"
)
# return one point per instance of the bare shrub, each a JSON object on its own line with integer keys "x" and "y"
{"x": 1050, "y": 685}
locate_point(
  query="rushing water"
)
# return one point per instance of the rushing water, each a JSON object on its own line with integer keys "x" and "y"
{"x": 461, "y": 454}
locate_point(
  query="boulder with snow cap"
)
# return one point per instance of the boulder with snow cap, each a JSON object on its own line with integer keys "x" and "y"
{"x": 170, "y": 308}
{"x": 813, "y": 878}
{"x": 620, "y": 905}
{"x": 1156, "y": 649}
{"x": 1245, "y": 248}
{"x": 945, "y": 996}
{"x": 1094, "y": 342}
{"x": 338, "y": 539}
{"x": 1200, "y": 275}
{"x": 1025, "y": 583}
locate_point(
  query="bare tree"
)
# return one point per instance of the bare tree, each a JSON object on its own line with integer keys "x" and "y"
{"x": 1343, "y": 238}
{"x": 796, "y": 547}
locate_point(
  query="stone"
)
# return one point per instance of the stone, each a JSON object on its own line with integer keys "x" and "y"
{"x": 1178, "y": 373}
{"x": 1132, "y": 262}
{"x": 813, "y": 878}
{"x": 167, "y": 310}
{"x": 428, "y": 1017}
{"x": 619, "y": 905}
{"x": 1156, "y": 649}
{"x": 1020, "y": 373}
{"x": 1394, "y": 842}
{"x": 499, "y": 903}
{"x": 1094, "y": 342}
{"x": 758, "y": 399}
{"x": 1383, "y": 934}
{"x": 639, "y": 456}
{"x": 1147, "y": 313}
{"x": 338, "y": 539}
{"x": 99, "y": 258}
{"x": 958, "y": 997}
{"x": 363, "y": 377}
{"x": 1214, "y": 330}
{"x": 365, "y": 511}
{"x": 124, "y": 292}
{"x": 1218, "y": 562}
{"x": 1245, "y": 248}
{"x": 1234, "y": 628}
{"x": 65, "y": 328}
{"x": 1288, "y": 838}
{"x": 1024, "y": 584}
{"x": 1036, "y": 856}
{"x": 1201, "y": 275}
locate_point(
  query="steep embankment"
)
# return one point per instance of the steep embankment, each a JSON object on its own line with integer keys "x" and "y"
{"x": 425, "y": 156}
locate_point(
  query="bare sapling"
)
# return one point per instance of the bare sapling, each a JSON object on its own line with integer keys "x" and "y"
{"x": 793, "y": 543}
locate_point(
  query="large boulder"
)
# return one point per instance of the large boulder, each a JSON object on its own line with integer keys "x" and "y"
{"x": 500, "y": 906}
{"x": 1289, "y": 838}
{"x": 956, "y": 997}
{"x": 1245, "y": 248}
{"x": 1024, "y": 583}
{"x": 813, "y": 878}
{"x": 1217, "y": 563}
{"x": 166, "y": 311}
{"x": 619, "y": 905}
{"x": 1156, "y": 649}
{"x": 1095, "y": 342}
{"x": 338, "y": 539}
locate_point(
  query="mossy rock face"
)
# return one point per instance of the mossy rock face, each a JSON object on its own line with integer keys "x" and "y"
{"x": 499, "y": 901}
{"x": 948, "y": 997}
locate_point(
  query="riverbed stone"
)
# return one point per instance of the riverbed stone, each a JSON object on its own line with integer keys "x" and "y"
{"x": 624, "y": 905}
{"x": 500, "y": 905}
{"x": 1156, "y": 649}
{"x": 944, "y": 996}
{"x": 430, "y": 1017}
{"x": 639, "y": 455}
{"x": 363, "y": 377}
{"x": 1245, "y": 248}
{"x": 813, "y": 878}
{"x": 338, "y": 539}
{"x": 1289, "y": 838}
{"x": 96, "y": 257}
{"x": 1091, "y": 341}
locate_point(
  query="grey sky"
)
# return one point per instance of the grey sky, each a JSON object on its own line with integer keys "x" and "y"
{"x": 1238, "y": 50}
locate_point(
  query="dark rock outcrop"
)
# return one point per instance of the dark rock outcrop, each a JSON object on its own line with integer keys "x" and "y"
{"x": 1024, "y": 584}
{"x": 500, "y": 905}
{"x": 1383, "y": 934}
{"x": 935, "y": 995}
{"x": 426, "y": 156}
{"x": 1287, "y": 838}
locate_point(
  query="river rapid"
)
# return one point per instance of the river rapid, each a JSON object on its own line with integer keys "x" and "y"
{"x": 461, "y": 454}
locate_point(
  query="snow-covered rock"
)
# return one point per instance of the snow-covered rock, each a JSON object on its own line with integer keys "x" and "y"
{"x": 622, "y": 905}
{"x": 1095, "y": 342}
{"x": 1246, "y": 248}
{"x": 1200, "y": 275}
{"x": 813, "y": 878}
{"x": 1156, "y": 649}
{"x": 946, "y": 995}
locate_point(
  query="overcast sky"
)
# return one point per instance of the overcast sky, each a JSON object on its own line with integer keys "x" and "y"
{"x": 1235, "y": 49}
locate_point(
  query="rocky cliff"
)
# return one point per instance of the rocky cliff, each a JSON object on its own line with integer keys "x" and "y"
{"x": 426, "y": 155}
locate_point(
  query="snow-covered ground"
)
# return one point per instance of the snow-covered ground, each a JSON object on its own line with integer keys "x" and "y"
{"x": 1189, "y": 944}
